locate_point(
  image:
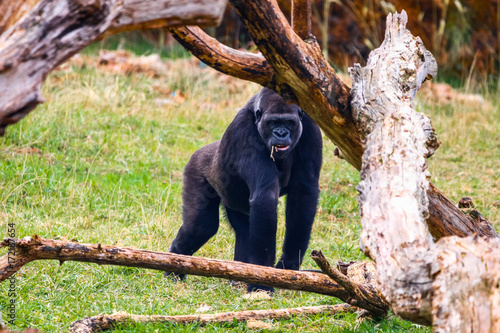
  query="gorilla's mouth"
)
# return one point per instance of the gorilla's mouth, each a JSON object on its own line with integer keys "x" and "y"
{"x": 278, "y": 148}
{"x": 281, "y": 147}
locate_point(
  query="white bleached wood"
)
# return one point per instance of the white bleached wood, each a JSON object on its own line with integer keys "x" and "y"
{"x": 393, "y": 197}
{"x": 452, "y": 284}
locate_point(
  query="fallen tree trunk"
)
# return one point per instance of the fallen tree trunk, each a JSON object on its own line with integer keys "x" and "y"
{"x": 453, "y": 284}
{"x": 23, "y": 251}
{"x": 108, "y": 322}
{"x": 49, "y": 32}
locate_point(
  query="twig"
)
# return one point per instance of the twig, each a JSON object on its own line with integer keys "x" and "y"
{"x": 107, "y": 322}
{"x": 363, "y": 296}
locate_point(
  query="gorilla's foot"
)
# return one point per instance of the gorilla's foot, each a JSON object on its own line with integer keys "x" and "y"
{"x": 257, "y": 288}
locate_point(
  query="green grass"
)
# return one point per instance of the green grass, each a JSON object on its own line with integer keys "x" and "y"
{"x": 101, "y": 161}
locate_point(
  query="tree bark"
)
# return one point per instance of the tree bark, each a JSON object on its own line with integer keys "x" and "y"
{"x": 35, "y": 248}
{"x": 107, "y": 322}
{"x": 52, "y": 31}
{"x": 453, "y": 284}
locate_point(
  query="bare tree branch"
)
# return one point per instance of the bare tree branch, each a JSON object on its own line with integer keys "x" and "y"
{"x": 243, "y": 65}
{"x": 107, "y": 322}
{"x": 36, "y": 248}
{"x": 364, "y": 295}
{"x": 143, "y": 15}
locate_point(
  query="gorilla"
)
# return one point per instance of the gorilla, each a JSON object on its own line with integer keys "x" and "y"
{"x": 270, "y": 149}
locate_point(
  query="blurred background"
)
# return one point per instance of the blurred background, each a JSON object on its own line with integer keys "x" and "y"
{"x": 463, "y": 35}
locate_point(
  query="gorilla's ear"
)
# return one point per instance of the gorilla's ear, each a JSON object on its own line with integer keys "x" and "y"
{"x": 258, "y": 115}
{"x": 301, "y": 114}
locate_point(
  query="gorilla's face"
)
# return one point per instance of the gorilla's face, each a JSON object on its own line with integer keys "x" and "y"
{"x": 279, "y": 126}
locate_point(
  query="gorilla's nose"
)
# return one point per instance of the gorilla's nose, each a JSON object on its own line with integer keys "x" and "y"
{"x": 281, "y": 133}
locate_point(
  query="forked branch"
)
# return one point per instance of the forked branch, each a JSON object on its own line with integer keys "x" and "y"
{"x": 365, "y": 295}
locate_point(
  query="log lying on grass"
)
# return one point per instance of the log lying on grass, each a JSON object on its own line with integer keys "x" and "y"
{"x": 453, "y": 284}
{"x": 50, "y": 32}
{"x": 107, "y": 322}
{"x": 23, "y": 251}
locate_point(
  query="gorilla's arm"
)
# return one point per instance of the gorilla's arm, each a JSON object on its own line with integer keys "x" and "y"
{"x": 302, "y": 198}
{"x": 264, "y": 195}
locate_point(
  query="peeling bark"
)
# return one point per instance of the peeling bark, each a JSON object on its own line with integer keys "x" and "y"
{"x": 393, "y": 187}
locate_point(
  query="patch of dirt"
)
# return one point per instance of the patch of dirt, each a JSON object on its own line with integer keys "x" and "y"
{"x": 124, "y": 62}
{"x": 442, "y": 93}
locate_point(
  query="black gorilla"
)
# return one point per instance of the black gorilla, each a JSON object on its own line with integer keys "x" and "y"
{"x": 269, "y": 150}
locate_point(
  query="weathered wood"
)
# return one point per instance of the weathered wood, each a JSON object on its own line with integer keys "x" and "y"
{"x": 107, "y": 322}
{"x": 53, "y": 31}
{"x": 35, "y": 248}
{"x": 466, "y": 286}
{"x": 364, "y": 295}
{"x": 11, "y": 11}
{"x": 453, "y": 284}
{"x": 393, "y": 198}
{"x": 142, "y": 15}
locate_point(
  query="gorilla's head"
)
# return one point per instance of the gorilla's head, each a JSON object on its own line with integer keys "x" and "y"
{"x": 279, "y": 124}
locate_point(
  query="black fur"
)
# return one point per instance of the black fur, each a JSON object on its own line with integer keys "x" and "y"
{"x": 239, "y": 173}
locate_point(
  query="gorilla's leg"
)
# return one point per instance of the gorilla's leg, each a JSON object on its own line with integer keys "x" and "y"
{"x": 301, "y": 206}
{"x": 240, "y": 224}
{"x": 200, "y": 217}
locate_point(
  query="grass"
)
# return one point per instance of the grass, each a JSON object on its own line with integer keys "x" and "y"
{"x": 101, "y": 161}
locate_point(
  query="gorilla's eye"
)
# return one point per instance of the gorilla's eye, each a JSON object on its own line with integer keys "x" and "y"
{"x": 301, "y": 114}
{"x": 258, "y": 115}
